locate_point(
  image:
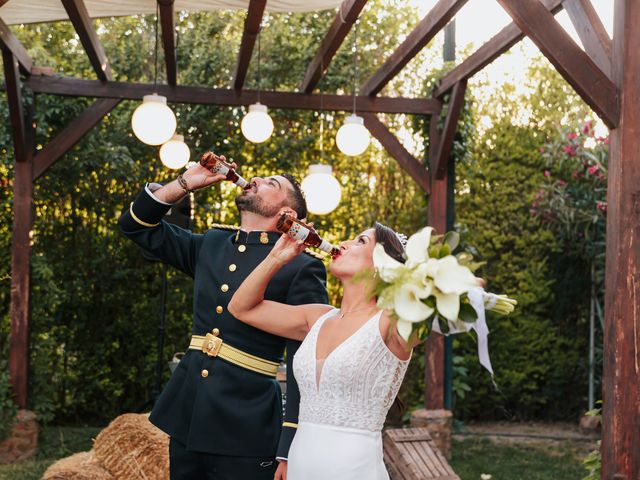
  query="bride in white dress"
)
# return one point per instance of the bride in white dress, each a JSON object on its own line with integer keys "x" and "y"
{"x": 349, "y": 367}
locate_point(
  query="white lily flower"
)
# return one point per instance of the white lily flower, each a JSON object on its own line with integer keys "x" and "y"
{"x": 420, "y": 276}
{"x": 448, "y": 304}
{"x": 388, "y": 268}
{"x": 451, "y": 277}
{"x": 408, "y": 303}
{"x": 404, "y": 329}
{"x": 451, "y": 280}
{"x": 417, "y": 248}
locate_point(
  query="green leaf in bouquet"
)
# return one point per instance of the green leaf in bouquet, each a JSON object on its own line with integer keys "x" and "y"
{"x": 464, "y": 258}
{"x": 467, "y": 313}
{"x": 444, "y": 326}
{"x": 421, "y": 331}
{"x": 434, "y": 251}
{"x": 473, "y": 266}
{"x": 444, "y": 251}
{"x": 375, "y": 285}
{"x": 436, "y": 239}
{"x": 452, "y": 239}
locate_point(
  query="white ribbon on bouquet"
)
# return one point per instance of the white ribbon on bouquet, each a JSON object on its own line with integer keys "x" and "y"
{"x": 479, "y": 300}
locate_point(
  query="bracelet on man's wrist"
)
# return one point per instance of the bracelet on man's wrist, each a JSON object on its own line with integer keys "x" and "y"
{"x": 183, "y": 184}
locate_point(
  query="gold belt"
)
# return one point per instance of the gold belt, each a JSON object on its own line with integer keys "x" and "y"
{"x": 213, "y": 346}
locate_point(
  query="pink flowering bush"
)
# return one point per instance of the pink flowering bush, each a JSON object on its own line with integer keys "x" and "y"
{"x": 572, "y": 201}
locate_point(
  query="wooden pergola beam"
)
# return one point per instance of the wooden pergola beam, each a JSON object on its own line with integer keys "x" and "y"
{"x": 72, "y": 134}
{"x": 449, "y": 130}
{"x": 591, "y": 31}
{"x": 621, "y": 357}
{"x": 167, "y": 21}
{"x": 76, "y": 87}
{"x": 429, "y": 26}
{"x": 83, "y": 25}
{"x": 249, "y": 36}
{"x": 570, "y": 60}
{"x": 348, "y": 13}
{"x": 14, "y": 98}
{"x": 9, "y": 43}
{"x": 393, "y": 146}
{"x": 488, "y": 52}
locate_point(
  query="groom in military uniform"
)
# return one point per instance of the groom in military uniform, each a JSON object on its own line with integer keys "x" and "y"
{"x": 222, "y": 406}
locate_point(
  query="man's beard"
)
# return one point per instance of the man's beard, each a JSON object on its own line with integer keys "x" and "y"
{"x": 255, "y": 204}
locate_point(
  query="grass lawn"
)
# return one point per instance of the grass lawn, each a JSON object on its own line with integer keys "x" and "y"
{"x": 517, "y": 460}
{"x": 471, "y": 457}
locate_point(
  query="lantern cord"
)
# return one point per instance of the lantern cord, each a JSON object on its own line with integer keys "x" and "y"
{"x": 259, "y": 72}
{"x": 155, "y": 70}
{"x": 355, "y": 64}
{"x": 321, "y": 113}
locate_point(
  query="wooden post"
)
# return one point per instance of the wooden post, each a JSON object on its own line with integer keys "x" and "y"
{"x": 20, "y": 279}
{"x": 23, "y": 143}
{"x": 621, "y": 382}
{"x": 434, "y": 348}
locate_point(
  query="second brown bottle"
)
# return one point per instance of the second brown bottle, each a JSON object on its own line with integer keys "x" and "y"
{"x": 301, "y": 231}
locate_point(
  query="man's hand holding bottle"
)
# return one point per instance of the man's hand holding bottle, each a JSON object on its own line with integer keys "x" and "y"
{"x": 207, "y": 172}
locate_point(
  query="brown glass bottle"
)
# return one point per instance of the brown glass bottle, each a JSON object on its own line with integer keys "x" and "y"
{"x": 300, "y": 231}
{"x": 215, "y": 164}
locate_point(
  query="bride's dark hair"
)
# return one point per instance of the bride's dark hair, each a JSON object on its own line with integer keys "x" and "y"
{"x": 390, "y": 241}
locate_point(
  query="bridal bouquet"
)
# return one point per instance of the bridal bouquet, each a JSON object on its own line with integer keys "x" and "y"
{"x": 434, "y": 284}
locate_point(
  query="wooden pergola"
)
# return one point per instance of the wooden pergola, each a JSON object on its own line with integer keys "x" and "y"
{"x": 606, "y": 75}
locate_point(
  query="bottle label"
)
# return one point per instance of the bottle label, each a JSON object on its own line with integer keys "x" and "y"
{"x": 325, "y": 246}
{"x": 298, "y": 232}
{"x": 220, "y": 168}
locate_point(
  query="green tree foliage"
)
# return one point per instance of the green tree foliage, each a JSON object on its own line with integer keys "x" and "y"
{"x": 539, "y": 352}
{"x": 95, "y": 300}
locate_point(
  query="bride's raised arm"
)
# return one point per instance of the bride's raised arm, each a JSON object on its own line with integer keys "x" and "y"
{"x": 249, "y": 306}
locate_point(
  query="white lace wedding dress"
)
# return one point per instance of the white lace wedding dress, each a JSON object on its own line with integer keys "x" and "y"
{"x": 344, "y": 401}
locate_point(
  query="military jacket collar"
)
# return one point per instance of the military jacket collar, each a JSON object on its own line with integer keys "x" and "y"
{"x": 256, "y": 237}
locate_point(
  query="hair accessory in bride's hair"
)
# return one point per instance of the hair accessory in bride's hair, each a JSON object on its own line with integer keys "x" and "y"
{"x": 402, "y": 237}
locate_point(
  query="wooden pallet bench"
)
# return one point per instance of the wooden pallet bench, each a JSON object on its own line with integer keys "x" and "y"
{"x": 410, "y": 454}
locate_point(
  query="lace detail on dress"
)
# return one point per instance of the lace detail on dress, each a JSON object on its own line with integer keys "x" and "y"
{"x": 359, "y": 379}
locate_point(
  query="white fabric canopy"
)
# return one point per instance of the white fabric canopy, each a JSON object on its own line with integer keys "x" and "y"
{"x": 33, "y": 11}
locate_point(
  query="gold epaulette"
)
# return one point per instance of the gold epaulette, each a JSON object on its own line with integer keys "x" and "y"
{"x": 222, "y": 226}
{"x": 320, "y": 256}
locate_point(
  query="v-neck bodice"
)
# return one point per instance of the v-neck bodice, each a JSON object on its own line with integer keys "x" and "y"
{"x": 358, "y": 381}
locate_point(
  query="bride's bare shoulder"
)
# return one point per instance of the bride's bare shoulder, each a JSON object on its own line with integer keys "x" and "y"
{"x": 395, "y": 343}
{"x": 314, "y": 311}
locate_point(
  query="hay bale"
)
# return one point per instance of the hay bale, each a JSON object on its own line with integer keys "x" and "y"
{"x": 81, "y": 466}
{"x": 132, "y": 448}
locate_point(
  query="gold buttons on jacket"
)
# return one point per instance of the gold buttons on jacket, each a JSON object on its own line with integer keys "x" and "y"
{"x": 242, "y": 248}
{"x": 204, "y": 373}
{"x": 224, "y": 287}
{"x": 219, "y": 309}
{"x": 215, "y": 332}
{"x": 232, "y": 267}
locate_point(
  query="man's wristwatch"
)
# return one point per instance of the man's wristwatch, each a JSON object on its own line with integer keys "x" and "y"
{"x": 184, "y": 186}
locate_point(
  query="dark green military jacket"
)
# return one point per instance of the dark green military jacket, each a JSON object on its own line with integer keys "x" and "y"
{"x": 211, "y": 405}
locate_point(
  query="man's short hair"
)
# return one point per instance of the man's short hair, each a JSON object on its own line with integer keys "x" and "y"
{"x": 296, "y": 197}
